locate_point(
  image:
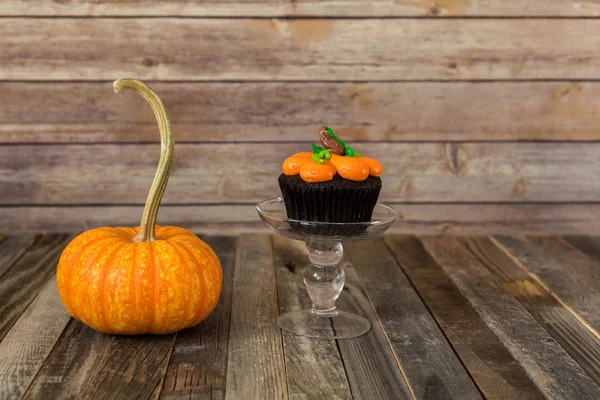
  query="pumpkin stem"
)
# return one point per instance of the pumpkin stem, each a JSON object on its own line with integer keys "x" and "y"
{"x": 148, "y": 223}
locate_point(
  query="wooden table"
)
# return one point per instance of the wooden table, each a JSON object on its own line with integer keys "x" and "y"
{"x": 459, "y": 318}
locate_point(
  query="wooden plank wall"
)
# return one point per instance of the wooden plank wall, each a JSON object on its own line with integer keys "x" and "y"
{"x": 484, "y": 113}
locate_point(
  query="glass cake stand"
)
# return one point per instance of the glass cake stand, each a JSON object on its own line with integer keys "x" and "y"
{"x": 324, "y": 278}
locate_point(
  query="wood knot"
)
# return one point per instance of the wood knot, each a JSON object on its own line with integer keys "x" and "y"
{"x": 148, "y": 62}
{"x": 520, "y": 187}
{"x": 455, "y": 157}
{"x": 290, "y": 266}
{"x": 445, "y": 228}
{"x": 573, "y": 88}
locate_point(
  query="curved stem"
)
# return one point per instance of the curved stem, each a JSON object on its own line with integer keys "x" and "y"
{"x": 148, "y": 223}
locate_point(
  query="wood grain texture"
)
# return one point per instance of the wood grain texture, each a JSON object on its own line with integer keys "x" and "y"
{"x": 208, "y": 173}
{"x": 280, "y": 8}
{"x": 418, "y": 219}
{"x": 553, "y": 370}
{"x": 12, "y": 248}
{"x": 588, "y": 244}
{"x": 372, "y": 369}
{"x": 86, "y": 364}
{"x": 583, "y": 268}
{"x": 198, "y": 365}
{"x": 293, "y": 111}
{"x": 429, "y": 363}
{"x": 571, "y": 289}
{"x": 493, "y": 368}
{"x": 207, "y": 219}
{"x": 30, "y": 340}
{"x": 314, "y": 368}
{"x": 262, "y": 49}
{"x": 256, "y": 366}
{"x": 564, "y": 326}
{"x": 22, "y": 283}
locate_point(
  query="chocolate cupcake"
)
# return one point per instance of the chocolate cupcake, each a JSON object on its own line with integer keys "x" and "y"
{"x": 332, "y": 184}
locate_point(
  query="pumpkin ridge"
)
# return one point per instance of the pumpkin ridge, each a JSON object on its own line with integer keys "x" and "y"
{"x": 203, "y": 285}
{"x": 146, "y": 307}
{"x": 68, "y": 277}
{"x": 165, "y": 317}
{"x": 194, "y": 241}
{"x": 102, "y": 287}
{"x": 209, "y": 252}
{"x": 188, "y": 234}
{"x": 88, "y": 264}
{"x": 183, "y": 262}
{"x": 125, "y": 233}
{"x": 155, "y": 276}
{"x": 134, "y": 281}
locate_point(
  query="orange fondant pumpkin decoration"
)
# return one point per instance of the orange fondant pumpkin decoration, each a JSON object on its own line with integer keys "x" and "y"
{"x": 148, "y": 279}
{"x": 352, "y": 168}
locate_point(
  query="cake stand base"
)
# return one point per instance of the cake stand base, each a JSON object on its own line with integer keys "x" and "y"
{"x": 336, "y": 325}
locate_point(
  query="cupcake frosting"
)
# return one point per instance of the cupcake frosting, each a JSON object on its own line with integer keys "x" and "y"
{"x": 335, "y": 157}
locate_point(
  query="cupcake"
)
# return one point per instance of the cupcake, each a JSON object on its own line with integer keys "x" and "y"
{"x": 333, "y": 183}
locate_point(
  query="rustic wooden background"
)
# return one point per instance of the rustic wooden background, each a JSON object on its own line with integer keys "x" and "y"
{"x": 485, "y": 113}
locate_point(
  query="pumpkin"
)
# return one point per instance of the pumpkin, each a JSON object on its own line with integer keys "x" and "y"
{"x": 144, "y": 280}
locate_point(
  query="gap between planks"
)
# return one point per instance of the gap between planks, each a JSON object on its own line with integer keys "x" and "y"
{"x": 429, "y": 363}
{"x": 361, "y": 358}
{"x": 314, "y": 368}
{"x": 546, "y": 287}
{"x": 531, "y": 345}
{"x": 559, "y": 321}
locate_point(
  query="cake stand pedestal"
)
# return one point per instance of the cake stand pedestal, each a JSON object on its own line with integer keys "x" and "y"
{"x": 324, "y": 278}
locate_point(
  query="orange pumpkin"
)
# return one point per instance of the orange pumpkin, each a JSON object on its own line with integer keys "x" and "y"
{"x": 149, "y": 279}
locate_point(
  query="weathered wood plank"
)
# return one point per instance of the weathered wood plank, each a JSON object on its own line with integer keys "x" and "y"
{"x": 292, "y": 111}
{"x": 12, "y": 248}
{"x": 577, "y": 263}
{"x": 91, "y": 365}
{"x": 590, "y": 245}
{"x": 21, "y": 284}
{"x": 554, "y": 273}
{"x": 30, "y": 340}
{"x": 305, "y": 49}
{"x": 489, "y": 363}
{"x": 198, "y": 365}
{"x": 215, "y": 173}
{"x": 281, "y": 8}
{"x": 314, "y": 368}
{"x": 553, "y": 370}
{"x": 208, "y": 219}
{"x": 417, "y": 219}
{"x": 429, "y": 363}
{"x": 564, "y": 326}
{"x": 372, "y": 369}
{"x": 256, "y": 366}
